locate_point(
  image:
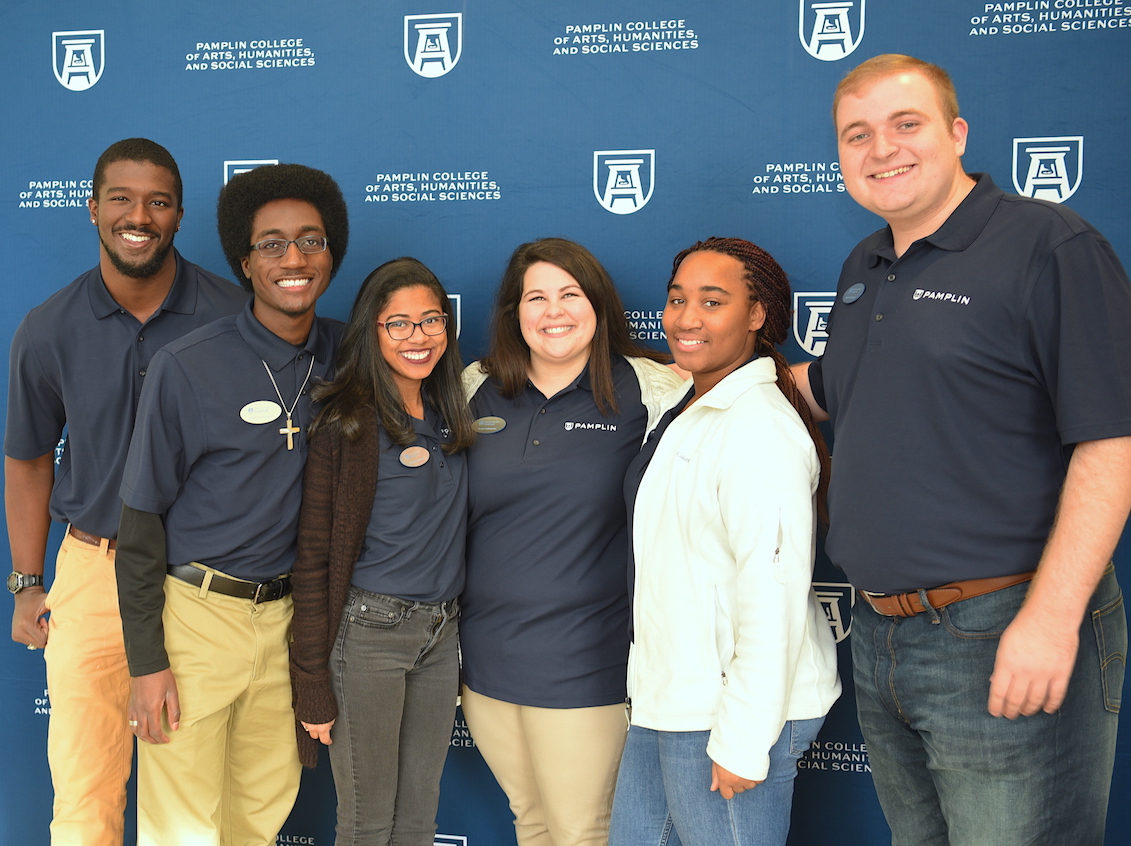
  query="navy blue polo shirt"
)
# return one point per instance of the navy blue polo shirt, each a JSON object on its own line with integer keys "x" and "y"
{"x": 414, "y": 545}
{"x": 207, "y": 451}
{"x": 79, "y": 361}
{"x": 957, "y": 381}
{"x": 544, "y": 618}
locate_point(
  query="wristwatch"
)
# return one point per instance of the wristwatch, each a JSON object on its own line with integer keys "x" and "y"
{"x": 19, "y": 581}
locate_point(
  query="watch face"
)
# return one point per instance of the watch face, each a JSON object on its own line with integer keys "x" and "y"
{"x": 19, "y": 581}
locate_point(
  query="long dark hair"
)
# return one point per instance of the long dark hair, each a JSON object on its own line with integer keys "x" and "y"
{"x": 769, "y": 286}
{"x": 508, "y": 357}
{"x": 364, "y": 383}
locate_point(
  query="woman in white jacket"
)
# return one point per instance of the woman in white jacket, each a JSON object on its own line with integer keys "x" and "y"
{"x": 733, "y": 665}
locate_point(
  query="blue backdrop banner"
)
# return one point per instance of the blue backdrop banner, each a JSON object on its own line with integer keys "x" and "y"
{"x": 459, "y": 130}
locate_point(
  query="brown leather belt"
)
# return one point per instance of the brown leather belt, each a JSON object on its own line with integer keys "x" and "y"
{"x": 93, "y": 540}
{"x": 257, "y": 592}
{"x": 909, "y": 604}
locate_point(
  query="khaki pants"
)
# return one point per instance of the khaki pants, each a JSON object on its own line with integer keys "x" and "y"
{"x": 230, "y": 774}
{"x": 558, "y": 766}
{"x": 89, "y": 743}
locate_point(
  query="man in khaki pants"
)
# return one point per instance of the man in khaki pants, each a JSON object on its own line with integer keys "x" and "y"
{"x": 211, "y": 494}
{"x": 78, "y": 361}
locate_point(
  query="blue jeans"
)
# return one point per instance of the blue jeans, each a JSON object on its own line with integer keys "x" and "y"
{"x": 946, "y": 771}
{"x": 395, "y": 674}
{"x": 664, "y": 798}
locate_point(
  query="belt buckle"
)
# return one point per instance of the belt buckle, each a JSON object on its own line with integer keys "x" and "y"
{"x": 261, "y": 594}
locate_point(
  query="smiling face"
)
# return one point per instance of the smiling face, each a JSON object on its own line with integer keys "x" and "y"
{"x": 286, "y": 288}
{"x": 137, "y": 215}
{"x": 556, "y": 318}
{"x": 709, "y": 319}
{"x": 899, "y": 156}
{"x": 413, "y": 359}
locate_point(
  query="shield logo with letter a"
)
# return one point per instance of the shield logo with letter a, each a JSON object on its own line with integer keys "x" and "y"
{"x": 433, "y": 43}
{"x": 811, "y": 319}
{"x": 79, "y": 57}
{"x": 623, "y": 179}
{"x": 837, "y": 598}
{"x": 1048, "y": 168}
{"x": 832, "y": 30}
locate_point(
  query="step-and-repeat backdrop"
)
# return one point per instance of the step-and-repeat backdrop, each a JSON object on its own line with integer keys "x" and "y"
{"x": 459, "y": 130}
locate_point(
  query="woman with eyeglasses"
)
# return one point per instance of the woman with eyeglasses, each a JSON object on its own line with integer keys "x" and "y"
{"x": 380, "y": 564}
{"x": 561, "y": 403}
{"x": 733, "y": 665}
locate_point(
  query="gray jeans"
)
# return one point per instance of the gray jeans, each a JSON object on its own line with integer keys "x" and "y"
{"x": 395, "y": 673}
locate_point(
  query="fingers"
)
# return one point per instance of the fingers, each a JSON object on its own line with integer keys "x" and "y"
{"x": 150, "y": 697}
{"x": 319, "y": 731}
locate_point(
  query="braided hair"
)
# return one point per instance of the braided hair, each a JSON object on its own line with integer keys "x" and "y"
{"x": 769, "y": 286}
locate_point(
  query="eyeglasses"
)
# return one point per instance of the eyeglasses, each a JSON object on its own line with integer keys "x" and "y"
{"x": 402, "y": 330}
{"x": 277, "y": 247}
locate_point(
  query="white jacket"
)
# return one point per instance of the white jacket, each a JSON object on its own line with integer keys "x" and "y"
{"x": 729, "y": 635}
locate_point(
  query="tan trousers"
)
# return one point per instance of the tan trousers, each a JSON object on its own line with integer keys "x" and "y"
{"x": 558, "y": 766}
{"x": 89, "y": 744}
{"x": 230, "y": 774}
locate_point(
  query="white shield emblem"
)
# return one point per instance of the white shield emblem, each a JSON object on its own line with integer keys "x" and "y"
{"x": 837, "y": 598}
{"x": 1048, "y": 168}
{"x": 457, "y": 309}
{"x": 830, "y": 31}
{"x": 623, "y": 179}
{"x": 433, "y": 43}
{"x": 236, "y": 166}
{"x": 811, "y": 319}
{"x": 79, "y": 57}
{"x": 450, "y": 840}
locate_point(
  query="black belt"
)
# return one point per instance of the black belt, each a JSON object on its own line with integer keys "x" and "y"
{"x": 257, "y": 592}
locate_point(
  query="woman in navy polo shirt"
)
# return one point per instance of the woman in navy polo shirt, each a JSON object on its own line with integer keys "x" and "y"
{"x": 374, "y": 661}
{"x": 561, "y": 405}
{"x": 733, "y": 665}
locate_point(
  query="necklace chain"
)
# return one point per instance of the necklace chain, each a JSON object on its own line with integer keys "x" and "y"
{"x": 290, "y": 411}
{"x": 289, "y": 430}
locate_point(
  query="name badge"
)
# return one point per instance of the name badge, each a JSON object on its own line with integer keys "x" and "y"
{"x": 853, "y": 293}
{"x": 488, "y": 425}
{"x": 260, "y": 411}
{"x": 414, "y": 456}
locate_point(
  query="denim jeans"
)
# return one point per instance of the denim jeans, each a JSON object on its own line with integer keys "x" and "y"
{"x": 664, "y": 798}
{"x": 395, "y": 673}
{"x": 949, "y": 773}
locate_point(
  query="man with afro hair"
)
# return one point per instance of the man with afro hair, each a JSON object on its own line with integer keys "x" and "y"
{"x": 211, "y": 496}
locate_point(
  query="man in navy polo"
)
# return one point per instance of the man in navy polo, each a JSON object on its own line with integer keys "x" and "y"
{"x": 211, "y": 495}
{"x": 78, "y": 361}
{"x": 978, "y": 380}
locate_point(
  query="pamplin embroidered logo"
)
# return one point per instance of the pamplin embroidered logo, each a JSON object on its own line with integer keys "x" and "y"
{"x": 79, "y": 57}
{"x": 1048, "y": 168}
{"x": 830, "y": 31}
{"x": 457, "y": 310}
{"x": 943, "y": 296}
{"x": 238, "y": 166}
{"x": 811, "y": 319}
{"x": 837, "y": 598}
{"x": 450, "y": 840}
{"x": 623, "y": 179}
{"x": 429, "y": 41}
{"x": 571, "y": 425}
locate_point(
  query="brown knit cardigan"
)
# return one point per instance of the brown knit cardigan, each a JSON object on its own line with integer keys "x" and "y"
{"x": 337, "y": 500}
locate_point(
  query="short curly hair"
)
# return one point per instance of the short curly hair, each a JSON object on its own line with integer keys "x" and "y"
{"x": 246, "y": 193}
{"x": 136, "y": 150}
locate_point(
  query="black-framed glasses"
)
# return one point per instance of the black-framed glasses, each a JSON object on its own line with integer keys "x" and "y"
{"x": 277, "y": 247}
{"x": 402, "y": 330}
